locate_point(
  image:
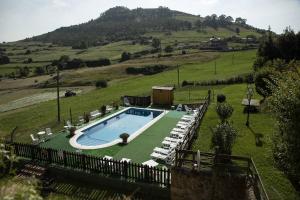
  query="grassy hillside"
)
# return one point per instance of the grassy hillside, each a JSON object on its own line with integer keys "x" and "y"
{"x": 35, "y": 117}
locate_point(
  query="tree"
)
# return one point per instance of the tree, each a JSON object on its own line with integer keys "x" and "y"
{"x": 168, "y": 49}
{"x": 223, "y": 139}
{"x": 237, "y": 30}
{"x": 124, "y": 137}
{"x": 261, "y": 79}
{"x": 285, "y": 106}
{"x": 240, "y": 20}
{"x": 156, "y": 43}
{"x": 125, "y": 56}
{"x": 224, "y": 134}
{"x": 4, "y": 60}
{"x": 101, "y": 84}
{"x": 39, "y": 71}
{"x": 224, "y": 111}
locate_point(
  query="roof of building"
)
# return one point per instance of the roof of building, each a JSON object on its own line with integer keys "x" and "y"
{"x": 162, "y": 88}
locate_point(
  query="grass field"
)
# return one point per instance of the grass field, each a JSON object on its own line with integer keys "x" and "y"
{"x": 277, "y": 185}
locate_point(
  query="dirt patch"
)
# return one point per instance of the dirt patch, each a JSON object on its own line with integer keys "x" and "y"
{"x": 27, "y": 97}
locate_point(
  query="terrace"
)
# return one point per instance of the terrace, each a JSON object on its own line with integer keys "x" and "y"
{"x": 148, "y": 140}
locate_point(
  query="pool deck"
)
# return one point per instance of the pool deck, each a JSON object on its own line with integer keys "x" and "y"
{"x": 138, "y": 150}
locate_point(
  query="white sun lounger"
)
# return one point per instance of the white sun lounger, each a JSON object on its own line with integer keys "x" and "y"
{"x": 94, "y": 114}
{"x": 34, "y": 140}
{"x": 48, "y": 131}
{"x": 187, "y": 109}
{"x": 183, "y": 123}
{"x": 169, "y": 139}
{"x": 68, "y": 126}
{"x": 179, "y": 130}
{"x": 169, "y": 144}
{"x": 177, "y": 135}
{"x": 159, "y": 156}
{"x": 162, "y": 150}
{"x": 179, "y": 107}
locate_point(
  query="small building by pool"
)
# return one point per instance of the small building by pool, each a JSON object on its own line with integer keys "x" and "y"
{"x": 162, "y": 96}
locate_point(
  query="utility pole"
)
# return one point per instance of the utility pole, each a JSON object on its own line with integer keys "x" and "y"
{"x": 178, "y": 76}
{"x": 57, "y": 90}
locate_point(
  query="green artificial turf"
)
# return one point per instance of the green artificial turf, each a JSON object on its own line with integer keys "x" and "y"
{"x": 138, "y": 150}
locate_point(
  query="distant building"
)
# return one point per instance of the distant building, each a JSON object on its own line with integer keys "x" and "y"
{"x": 217, "y": 44}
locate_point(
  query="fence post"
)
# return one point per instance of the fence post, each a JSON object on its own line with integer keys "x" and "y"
{"x": 65, "y": 158}
{"x": 125, "y": 169}
{"x": 146, "y": 173}
{"x": 83, "y": 158}
{"x": 49, "y": 155}
{"x": 32, "y": 152}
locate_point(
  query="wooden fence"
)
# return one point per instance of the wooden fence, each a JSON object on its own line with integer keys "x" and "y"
{"x": 226, "y": 163}
{"x": 131, "y": 172}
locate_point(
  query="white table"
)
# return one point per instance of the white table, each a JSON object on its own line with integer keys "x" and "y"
{"x": 126, "y": 159}
{"x": 150, "y": 163}
{"x": 41, "y": 135}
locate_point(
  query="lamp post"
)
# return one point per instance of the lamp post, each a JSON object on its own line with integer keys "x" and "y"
{"x": 249, "y": 97}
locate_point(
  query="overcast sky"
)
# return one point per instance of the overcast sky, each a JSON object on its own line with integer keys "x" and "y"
{"x": 26, "y": 18}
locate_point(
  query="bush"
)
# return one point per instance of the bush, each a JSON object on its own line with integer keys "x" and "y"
{"x": 125, "y": 56}
{"x": 103, "y": 110}
{"x": 148, "y": 70}
{"x": 168, "y": 49}
{"x": 4, "y": 60}
{"x": 72, "y": 130}
{"x": 39, "y": 71}
{"x": 262, "y": 77}
{"x": 98, "y": 63}
{"x": 221, "y": 98}
{"x": 124, "y": 137}
{"x": 86, "y": 117}
{"x": 101, "y": 84}
{"x": 184, "y": 83}
{"x": 224, "y": 111}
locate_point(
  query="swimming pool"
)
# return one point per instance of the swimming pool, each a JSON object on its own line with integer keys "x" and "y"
{"x": 106, "y": 132}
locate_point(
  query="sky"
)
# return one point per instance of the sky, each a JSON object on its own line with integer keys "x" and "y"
{"x": 26, "y": 18}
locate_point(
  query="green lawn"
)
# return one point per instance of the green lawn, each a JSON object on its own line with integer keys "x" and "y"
{"x": 276, "y": 183}
{"x": 32, "y": 119}
{"x": 138, "y": 150}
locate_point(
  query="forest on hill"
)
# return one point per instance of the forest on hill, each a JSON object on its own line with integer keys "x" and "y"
{"x": 121, "y": 23}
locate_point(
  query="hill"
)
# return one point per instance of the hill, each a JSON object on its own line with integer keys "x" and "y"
{"x": 120, "y": 23}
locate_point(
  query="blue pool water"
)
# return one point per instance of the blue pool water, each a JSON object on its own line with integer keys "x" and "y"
{"x": 109, "y": 130}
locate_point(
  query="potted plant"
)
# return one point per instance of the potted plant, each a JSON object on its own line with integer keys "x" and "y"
{"x": 124, "y": 137}
{"x": 72, "y": 130}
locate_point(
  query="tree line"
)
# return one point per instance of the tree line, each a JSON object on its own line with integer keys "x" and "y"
{"x": 277, "y": 79}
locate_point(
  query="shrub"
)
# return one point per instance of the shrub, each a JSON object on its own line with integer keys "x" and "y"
{"x": 221, "y": 98}
{"x": 125, "y": 56}
{"x": 124, "y": 137}
{"x": 86, "y": 117}
{"x": 4, "y": 60}
{"x": 147, "y": 70}
{"x": 184, "y": 83}
{"x": 183, "y": 52}
{"x": 39, "y": 70}
{"x": 262, "y": 77}
{"x": 72, "y": 130}
{"x": 103, "y": 110}
{"x": 224, "y": 136}
{"x": 101, "y": 84}
{"x": 224, "y": 111}
{"x": 168, "y": 49}
{"x": 98, "y": 63}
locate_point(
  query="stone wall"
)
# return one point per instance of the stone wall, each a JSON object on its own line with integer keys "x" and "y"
{"x": 203, "y": 185}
